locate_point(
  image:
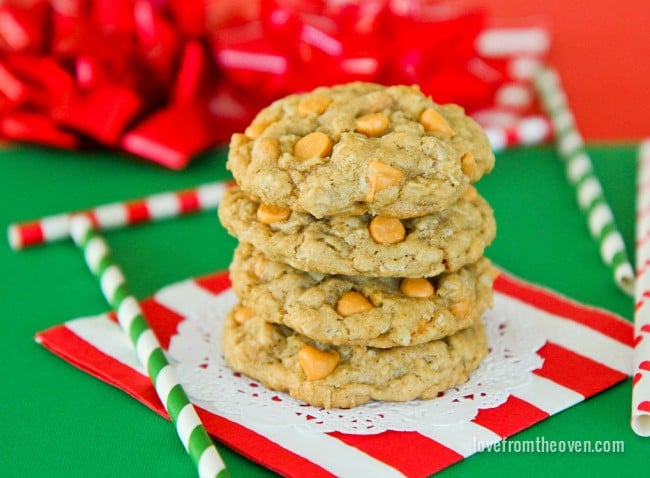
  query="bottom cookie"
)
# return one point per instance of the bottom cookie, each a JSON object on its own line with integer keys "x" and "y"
{"x": 348, "y": 376}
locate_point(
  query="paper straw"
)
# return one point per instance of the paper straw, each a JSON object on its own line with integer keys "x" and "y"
{"x": 190, "y": 430}
{"x": 119, "y": 214}
{"x": 526, "y": 131}
{"x": 581, "y": 175}
{"x": 641, "y": 377}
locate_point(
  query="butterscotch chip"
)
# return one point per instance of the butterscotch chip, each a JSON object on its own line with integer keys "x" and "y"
{"x": 266, "y": 148}
{"x": 260, "y": 265}
{"x": 307, "y": 302}
{"x": 268, "y": 214}
{"x": 386, "y": 230}
{"x": 471, "y": 194}
{"x": 418, "y": 287}
{"x": 435, "y": 122}
{"x": 372, "y": 124}
{"x": 352, "y": 303}
{"x": 270, "y": 353}
{"x": 380, "y": 177}
{"x": 243, "y": 314}
{"x": 255, "y": 130}
{"x": 362, "y": 122}
{"x": 341, "y": 244}
{"x": 314, "y": 145}
{"x": 468, "y": 164}
{"x": 460, "y": 309}
{"x": 317, "y": 364}
{"x": 313, "y": 104}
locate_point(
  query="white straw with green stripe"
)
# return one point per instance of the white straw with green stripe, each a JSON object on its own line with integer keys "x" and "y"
{"x": 193, "y": 435}
{"x": 581, "y": 175}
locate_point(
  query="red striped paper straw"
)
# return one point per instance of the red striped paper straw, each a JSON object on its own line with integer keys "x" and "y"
{"x": 526, "y": 131}
{"x": 641, "y": 378}
{"x": 119, "y": 214}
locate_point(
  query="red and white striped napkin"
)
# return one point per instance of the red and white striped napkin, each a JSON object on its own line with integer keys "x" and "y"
{"x": 587, "y": 351}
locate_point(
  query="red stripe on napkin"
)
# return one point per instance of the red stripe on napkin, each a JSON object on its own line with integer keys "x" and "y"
{"x": 584, "y": 375}
{"x": 256, "y": 447}
{"x": 401, "y": 449}
{"x": 510, "y": 418}
{"x": 215, "y": 283}
{"x": 70, "y": 347}
{"x": 543, "y": 299}
{"x": 163, "y": 320}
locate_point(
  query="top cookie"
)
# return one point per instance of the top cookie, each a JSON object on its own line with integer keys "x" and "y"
{"x": 360, "y": 148}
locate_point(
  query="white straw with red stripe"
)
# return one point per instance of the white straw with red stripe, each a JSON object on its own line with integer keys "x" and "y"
{"x": 581, "y": 175}
{"x": 641, "y": 378}
{"x": 119, "y": 214}
{"x": 526, "y": 131}
{"x": 193, "y": 435}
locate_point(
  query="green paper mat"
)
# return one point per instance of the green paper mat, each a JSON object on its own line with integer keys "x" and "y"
{"x": 58, "y": 421}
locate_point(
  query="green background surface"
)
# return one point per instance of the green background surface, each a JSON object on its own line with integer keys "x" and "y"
{"x": 58, "y": 421}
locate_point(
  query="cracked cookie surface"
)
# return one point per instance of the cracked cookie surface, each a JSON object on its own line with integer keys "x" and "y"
{"x": 400, "y": 313}
{"x": 360, "y": 148}
{"x": 432, "y": 244}
{"x": 282, "y": 360}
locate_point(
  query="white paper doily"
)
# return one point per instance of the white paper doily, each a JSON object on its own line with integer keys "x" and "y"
{"x": 210, "y": 383}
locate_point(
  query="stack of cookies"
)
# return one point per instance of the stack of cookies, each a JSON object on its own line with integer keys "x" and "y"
{"x": 360, "y": 268}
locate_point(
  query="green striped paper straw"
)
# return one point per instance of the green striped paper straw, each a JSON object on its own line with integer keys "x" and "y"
{"x": 581, "y": 175}
{"x": 190, "y": 430}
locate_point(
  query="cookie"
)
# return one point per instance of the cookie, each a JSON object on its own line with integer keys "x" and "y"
{"x": 357, "y": 310}
{"x": 348, "y": 376}
{"x": 378, "y": 246}
{"x": 360, "y": 148}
